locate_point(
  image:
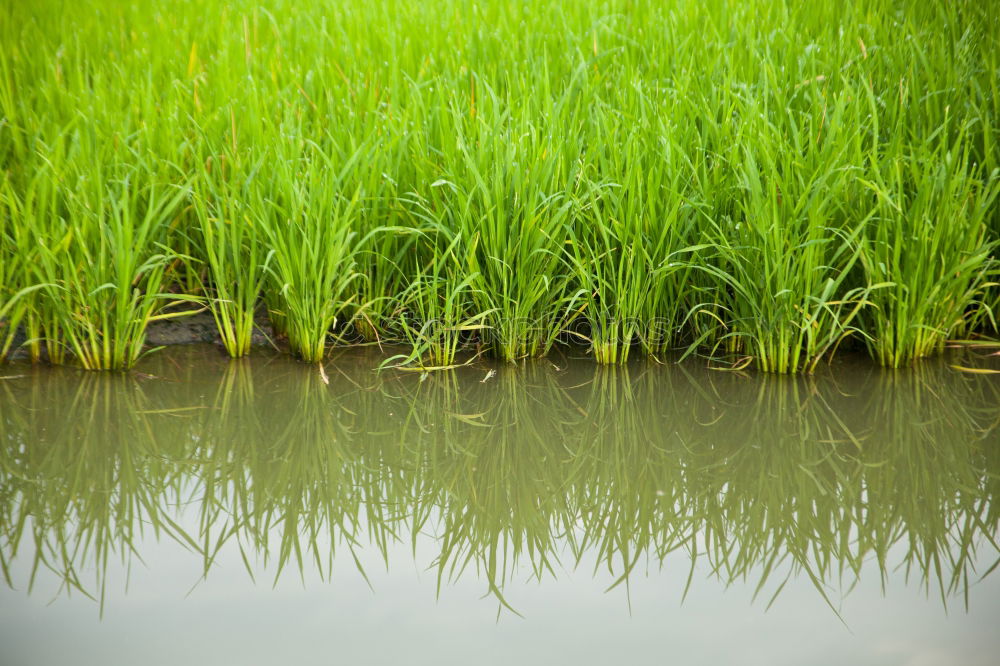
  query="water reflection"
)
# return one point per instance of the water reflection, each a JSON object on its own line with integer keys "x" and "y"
{"x": 535, "y": 468}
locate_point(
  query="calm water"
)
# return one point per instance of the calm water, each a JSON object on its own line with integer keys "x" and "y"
{"x": 201, "y": 511}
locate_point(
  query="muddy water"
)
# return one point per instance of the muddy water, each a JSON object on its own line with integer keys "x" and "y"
{"x": 202, "y": 511}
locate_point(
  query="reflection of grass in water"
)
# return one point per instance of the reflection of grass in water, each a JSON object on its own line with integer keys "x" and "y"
{"x": 88, "y": 485}
{"x": 497, "y": 504}
{"x": 288, "y": 472}
{"x": 533, "y": 468}
{"x": 909, "y": 425}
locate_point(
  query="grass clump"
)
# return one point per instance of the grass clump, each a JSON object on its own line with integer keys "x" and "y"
{"x": 307, "y": 220}
{"x": 927, "y": 240}
{"x": 99, "y": 264}
{"x": 783, "y": 257}
{"x": 235, "y": 256}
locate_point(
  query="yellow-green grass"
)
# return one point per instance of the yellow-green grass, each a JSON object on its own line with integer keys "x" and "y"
{"x": 763, "y": 180}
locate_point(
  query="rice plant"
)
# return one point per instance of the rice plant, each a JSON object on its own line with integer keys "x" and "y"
{"x": 511, "y": 219}
{"x": 630, "y": 246}
{"x": 98, "y": 254}
{"x": 307, "y": 220}
{"x": 435, "y": 311}
{"x": 783, "y": 260}
{"x": 927, "y": 239}
{"x": 236, "y": 262}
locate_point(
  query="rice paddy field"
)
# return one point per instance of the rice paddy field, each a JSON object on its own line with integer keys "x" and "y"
{"x": 762, "y": 183}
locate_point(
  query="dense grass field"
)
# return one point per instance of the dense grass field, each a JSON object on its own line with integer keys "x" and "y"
{"x": 757, "y": 181}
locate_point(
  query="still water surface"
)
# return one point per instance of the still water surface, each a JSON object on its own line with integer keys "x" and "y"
{"x": 202, "y": 511}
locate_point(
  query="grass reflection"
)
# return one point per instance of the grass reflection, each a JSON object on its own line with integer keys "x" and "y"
{"x": 525, "y": 472}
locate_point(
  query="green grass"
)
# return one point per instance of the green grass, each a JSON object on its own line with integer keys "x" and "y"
{"x": 761, "y": 182}
{"x": 236, "y": 259}
{"x": 934, "y": 271}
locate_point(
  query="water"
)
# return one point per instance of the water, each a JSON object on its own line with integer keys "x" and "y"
{"x": 202, "y": 511}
